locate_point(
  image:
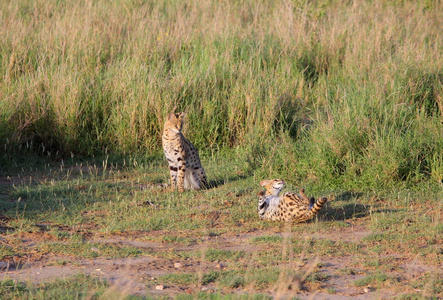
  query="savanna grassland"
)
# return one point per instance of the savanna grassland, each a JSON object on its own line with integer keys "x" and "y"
{"x": 343, "y": 98}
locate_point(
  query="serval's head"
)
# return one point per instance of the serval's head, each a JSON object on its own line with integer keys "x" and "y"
{"x": 174, "y": 122}
{"x": 272, "y": 186}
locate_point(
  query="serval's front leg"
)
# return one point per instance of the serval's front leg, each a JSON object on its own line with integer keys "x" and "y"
{"x": 173, "y": 175}
{"x": 181, "y": 175}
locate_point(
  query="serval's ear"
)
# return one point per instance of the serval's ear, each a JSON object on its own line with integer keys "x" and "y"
{"x": 265, "y": 182}
{"x": 170, "y": 116}
{"x": 181, "y": 116}
{"x": 302, "y": 194}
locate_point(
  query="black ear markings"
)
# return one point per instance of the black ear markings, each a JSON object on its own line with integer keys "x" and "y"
{"x": 181, "y": 116}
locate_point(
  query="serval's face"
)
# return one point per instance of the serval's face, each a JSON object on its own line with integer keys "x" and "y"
{"x": 273, "y": 186}
{"x": 174, "y": 122}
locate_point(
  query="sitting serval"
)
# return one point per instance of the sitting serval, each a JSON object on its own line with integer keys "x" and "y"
{"x": 186, "y": 171}
{"x": 290, "y": 207}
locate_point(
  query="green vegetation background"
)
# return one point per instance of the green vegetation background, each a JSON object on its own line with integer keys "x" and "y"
{"x": 337, "y": 92}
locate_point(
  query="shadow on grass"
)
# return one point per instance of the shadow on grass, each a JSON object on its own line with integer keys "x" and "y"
{"x": 61, "y": 198}
{"x": 69, "y": 200}
{"x": 215, "y": 183}
{"x": 350, "y": 211}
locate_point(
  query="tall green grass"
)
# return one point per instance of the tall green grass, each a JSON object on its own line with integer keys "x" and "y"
{"x": 329, "y": 90}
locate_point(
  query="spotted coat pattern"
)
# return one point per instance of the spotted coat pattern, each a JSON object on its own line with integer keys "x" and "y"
{"x": 186, "y": 171}
{"x": 289, "y": 207}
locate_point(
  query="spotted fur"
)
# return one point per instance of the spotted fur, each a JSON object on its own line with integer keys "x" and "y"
{"x": 290, "y": 207}
{"x": 186, "y": 171}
